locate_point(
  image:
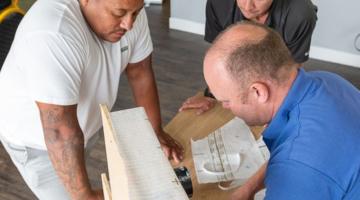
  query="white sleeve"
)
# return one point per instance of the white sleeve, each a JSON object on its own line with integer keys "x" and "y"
{"x": 140, "y": 39}
{"x": 53, "y": 67}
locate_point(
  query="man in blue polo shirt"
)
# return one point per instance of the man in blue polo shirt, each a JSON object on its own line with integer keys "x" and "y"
{"x": 313, "y": 131}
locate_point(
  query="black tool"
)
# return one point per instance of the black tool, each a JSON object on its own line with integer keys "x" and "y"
{"x": 184, "y": 177}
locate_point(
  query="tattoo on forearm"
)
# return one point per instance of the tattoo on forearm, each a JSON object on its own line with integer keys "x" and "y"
{"x": 65, "y": 143}
{"x": 52, "y": 117}
{"x": 67, "y": 159}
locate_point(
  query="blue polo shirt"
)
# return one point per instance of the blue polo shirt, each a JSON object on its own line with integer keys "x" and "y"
{"x": 314, "y": 141}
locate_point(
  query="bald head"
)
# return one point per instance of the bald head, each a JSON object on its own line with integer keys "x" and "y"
{"x": 239, "y": 34}
{"x": 248, "y": 51}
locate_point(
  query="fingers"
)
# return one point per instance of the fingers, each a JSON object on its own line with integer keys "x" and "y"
{"x": 202, "y": 104}
{"x": 171, "y": 148}
{"x": 192, "y": 105}
{"x": 173, "y": 153}
{"x": 175, "y": 157}
{"x": 167, "y": 151}
{"x": 178, "y": 152}
{"x": 203, "y": 109}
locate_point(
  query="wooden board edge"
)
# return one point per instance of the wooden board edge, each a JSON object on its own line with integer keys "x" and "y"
{"x": 106, "y": 187}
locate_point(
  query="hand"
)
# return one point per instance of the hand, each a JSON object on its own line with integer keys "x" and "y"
{"x": 200, "y": 103}
{"x": 243, "y": 193}
{"x": 172, "y": 149}
{"x": 254, "y": 184}
{"x": 95, "y": 195}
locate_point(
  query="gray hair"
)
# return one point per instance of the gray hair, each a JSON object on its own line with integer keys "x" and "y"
{"x": 264, "y": 58}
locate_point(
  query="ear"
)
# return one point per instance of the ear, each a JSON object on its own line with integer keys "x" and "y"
{"x": 260, "y": 92}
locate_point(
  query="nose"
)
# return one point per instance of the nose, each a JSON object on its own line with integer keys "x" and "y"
{"x": 127, "y": 22}
{"x": 248, "y": 5}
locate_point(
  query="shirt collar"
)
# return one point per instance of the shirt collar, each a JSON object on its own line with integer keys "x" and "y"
{"x": 274, "y": 135}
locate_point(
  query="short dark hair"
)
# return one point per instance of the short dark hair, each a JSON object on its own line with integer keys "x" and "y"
{"x": 264, "y": 58}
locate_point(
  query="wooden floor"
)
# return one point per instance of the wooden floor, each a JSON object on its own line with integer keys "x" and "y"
{"x": 177, "y": 62}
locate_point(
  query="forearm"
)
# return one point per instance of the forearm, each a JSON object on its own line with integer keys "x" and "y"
{"x": 67, "y": 156}
{"x": 65, "y": 144}
{"x": 142, "y": 81}
{"x": 256, "y": 182}
{"x": 147, "y": 97}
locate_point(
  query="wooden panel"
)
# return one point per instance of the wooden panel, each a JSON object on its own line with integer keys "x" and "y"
{"x": 116, "y": 165}
{"x": 186, "y": 125}
{"x": 106, "y": 187}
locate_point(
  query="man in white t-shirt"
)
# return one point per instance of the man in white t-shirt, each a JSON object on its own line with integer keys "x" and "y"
{"x": 66, "y": 59}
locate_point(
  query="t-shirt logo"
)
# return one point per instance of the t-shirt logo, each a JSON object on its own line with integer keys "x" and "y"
{"x": 125, "y": 48}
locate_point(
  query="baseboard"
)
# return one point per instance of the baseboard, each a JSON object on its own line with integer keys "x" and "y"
{"x": 187, "y": 26}
{"x": 316, "y": 52}
{"x": 148, "y": 2}
{"x": 334, "y": 56}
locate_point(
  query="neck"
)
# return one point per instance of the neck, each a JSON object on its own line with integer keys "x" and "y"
{"x": 282, "y": 91}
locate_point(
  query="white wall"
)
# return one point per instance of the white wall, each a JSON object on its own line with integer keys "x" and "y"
{"x": 333, "y": 39}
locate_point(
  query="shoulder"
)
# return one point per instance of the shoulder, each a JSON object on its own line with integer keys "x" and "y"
{"x": 140, "y": 31}
{"x": 336, "y": 87}
{"x": 300, "y": 11}
{"x": 50, "y": 49}
{"x": 56, "y": 17}
{"x": 139, "y": 39}
{"x": 328, "y": 78}
{"x": 290, "y": 7}
{"x": 140, "y": 27}
{"x": 295, "y": 20}
{"x": 293, "y": 14}
{"x": 141, "y": 19}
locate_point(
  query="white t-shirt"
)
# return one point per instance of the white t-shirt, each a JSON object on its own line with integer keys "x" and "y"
{"x": 56, "y": 58}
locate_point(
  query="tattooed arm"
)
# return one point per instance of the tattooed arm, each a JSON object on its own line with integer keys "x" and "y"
{"x": 65, "y": 143}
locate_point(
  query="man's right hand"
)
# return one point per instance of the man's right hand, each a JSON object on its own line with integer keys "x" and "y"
{"x": 200, "y": 103}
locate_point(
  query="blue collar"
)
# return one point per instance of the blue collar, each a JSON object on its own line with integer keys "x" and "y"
{"x": 274, "y": 134}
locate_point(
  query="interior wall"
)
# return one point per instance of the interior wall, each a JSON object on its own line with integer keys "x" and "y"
{"x": 333, "y": 39}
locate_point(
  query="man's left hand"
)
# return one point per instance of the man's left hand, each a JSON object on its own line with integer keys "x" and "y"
{"x": 172, "y": 149}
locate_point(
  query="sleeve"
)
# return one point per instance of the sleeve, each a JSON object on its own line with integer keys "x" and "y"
{"x": 52, "y": 66}
{"x": 212, "y": 24}
{"x": 299, "y": 26}
{"x": 296, "y": 181}
{"x": 142, "y": 45}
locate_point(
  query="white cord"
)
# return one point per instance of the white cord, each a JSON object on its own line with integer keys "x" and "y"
{"x": 356, "y": 42}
